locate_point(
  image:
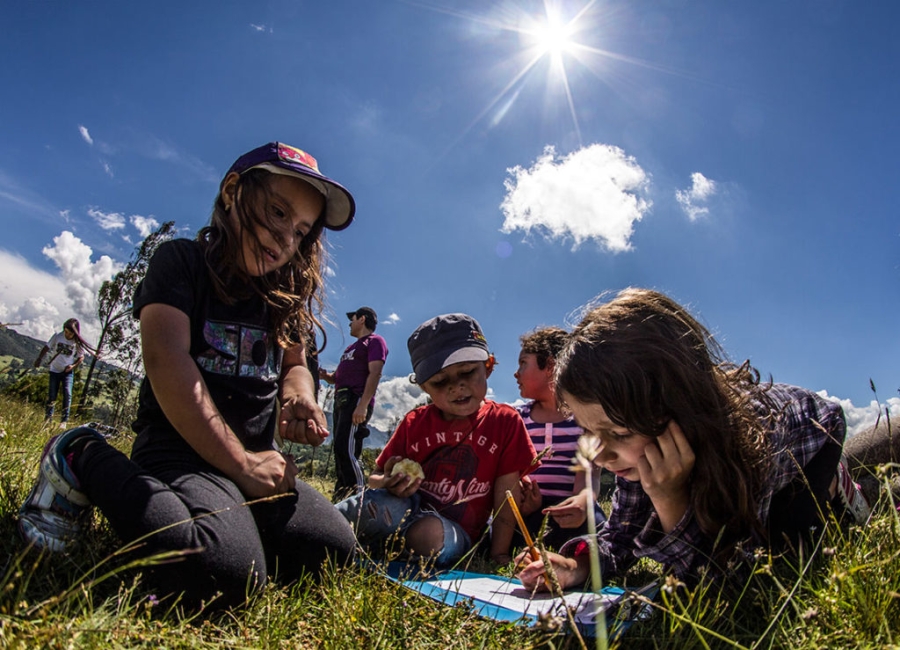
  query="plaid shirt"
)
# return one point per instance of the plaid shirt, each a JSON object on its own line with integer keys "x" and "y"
{"x": 799, "y": 426}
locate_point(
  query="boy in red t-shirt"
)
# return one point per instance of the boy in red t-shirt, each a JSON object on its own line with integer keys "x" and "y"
{"x": 471, "y": 451}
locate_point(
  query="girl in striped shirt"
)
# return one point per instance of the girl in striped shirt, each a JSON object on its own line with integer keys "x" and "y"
{"x": 553, "y": 489}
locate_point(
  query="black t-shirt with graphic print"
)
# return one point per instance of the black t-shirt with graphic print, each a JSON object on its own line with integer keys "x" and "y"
{"x": 233, "y": 346}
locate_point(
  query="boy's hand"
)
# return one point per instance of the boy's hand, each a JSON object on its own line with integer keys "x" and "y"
{"x": 400, "y": 485}
{"x": 302, "y": 421}
{"x": 665, "y": 471}
{"x": 569, "y": 513}
{"x": 531, "y": 496}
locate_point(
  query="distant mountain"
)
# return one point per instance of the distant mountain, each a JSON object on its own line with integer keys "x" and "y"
{"x": 19, "y": 346}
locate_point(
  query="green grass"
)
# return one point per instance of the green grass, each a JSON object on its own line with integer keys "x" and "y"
{"x": 846, "y": 596}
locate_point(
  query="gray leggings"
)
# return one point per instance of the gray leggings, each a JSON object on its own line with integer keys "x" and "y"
{"x": 182, "y": 503}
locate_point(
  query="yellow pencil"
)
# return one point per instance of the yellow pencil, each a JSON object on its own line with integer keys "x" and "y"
{"x": 535, "y": 554}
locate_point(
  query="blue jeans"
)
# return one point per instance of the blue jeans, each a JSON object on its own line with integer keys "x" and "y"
{"x": 376, "y": 515}
{"x": 59, "y": 380}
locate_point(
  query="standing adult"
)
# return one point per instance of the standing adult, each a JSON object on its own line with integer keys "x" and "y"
{"x": 355, "y": 380}
{"x": 67, "y": 349}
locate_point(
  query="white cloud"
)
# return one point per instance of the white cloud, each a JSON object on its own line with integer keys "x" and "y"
{"x": 80, "y": 277}
{"x": 261, "y": 28}
{"x": 108, "y": 169}
{"x": 85, "y": 134}
{"x": 30, "y": 296}
{"x": 393, "y": 319}
{"x": 593, "y": 193}
{"x": 700, "y": 192}
{"x": 144, "y": 225}
{"x": 107, "y": 220}
{"x": 860, "y": 418}
{"x": 395, "y": 398}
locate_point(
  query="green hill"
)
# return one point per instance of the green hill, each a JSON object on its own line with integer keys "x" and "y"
{"x": 19, "y": 346}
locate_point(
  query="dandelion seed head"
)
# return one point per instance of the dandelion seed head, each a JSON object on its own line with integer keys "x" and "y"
{"x": 588, "y": 448}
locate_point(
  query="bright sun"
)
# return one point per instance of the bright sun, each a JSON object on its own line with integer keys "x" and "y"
{"x": 553, "y": 37}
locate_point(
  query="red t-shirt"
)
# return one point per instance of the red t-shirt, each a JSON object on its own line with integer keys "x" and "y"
{"x": 461, "y": 459}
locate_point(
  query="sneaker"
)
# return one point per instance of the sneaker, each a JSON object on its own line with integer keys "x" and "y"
{"x": 851, "y": 495}
{"x": 54, "y": 511}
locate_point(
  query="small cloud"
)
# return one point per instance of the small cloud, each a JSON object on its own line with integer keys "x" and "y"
{"x": 261, "y": 28}
{"x": 107, "y": 168}
{"x": 85, "y": 134}
{"x": 107, "y": 220}
{"x": 593, "y": 193}
{"x": 700, "y": 192}
{"x": 144, "y": 225}
{"x": 65, "y": 215}
{"x": 393, "y": 319}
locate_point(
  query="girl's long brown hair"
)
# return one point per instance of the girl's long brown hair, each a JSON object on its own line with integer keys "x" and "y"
{"x": 647, "y": 361}
{"x": 74, "y": 326}
{"x": 294, "y": 291}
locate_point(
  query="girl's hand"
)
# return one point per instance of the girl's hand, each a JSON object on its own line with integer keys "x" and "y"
{"x": 302, "y": 421}
{"x": 400, "y": 485}
{"x": 570, "y": 513}
{"x": 665, "y": 471}
{"x": 267, "y": 473}
{"x": 569, "y": 571}
{"x": 531, "y": 496}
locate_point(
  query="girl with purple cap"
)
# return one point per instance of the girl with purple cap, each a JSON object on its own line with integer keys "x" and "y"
{"x": 224, "y": 318}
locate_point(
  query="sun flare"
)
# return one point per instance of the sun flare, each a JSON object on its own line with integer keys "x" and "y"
{"x": 553, "y": 37}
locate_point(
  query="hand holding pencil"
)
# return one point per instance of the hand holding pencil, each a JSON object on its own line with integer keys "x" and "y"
{"x": 569, "y": 571}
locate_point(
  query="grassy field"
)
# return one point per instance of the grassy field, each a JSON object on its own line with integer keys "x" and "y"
{"x": 846, "y": 596}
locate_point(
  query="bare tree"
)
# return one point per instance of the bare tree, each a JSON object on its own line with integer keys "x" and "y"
{"x": 118, "y": 331}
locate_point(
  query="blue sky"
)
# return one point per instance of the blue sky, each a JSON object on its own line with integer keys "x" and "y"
{"x": 739, "y": 156}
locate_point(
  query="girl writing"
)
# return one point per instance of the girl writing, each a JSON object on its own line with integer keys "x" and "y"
{"x": 223, "y": 320}
{"x": 705, "y": 457}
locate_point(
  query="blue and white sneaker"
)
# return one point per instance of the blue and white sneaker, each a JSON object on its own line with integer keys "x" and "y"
{"x": 55, "y": 510}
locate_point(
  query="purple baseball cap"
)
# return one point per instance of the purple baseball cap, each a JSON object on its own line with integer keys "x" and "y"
{"x": 280, "y": 158}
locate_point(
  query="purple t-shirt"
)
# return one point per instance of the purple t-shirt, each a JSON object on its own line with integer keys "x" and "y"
{"x": 353, "y": 369}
